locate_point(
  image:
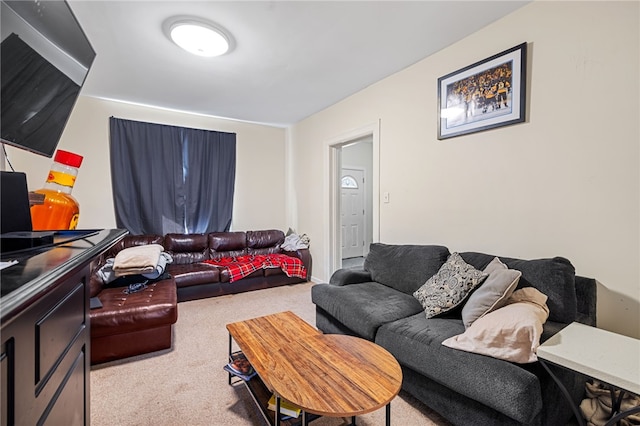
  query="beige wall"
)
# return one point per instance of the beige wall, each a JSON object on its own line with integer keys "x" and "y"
{"x": 260, "y": 172}
{"x": 565, "y": 183}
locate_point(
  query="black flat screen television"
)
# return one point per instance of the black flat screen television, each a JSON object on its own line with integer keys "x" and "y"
{"x": 45, "y": 57}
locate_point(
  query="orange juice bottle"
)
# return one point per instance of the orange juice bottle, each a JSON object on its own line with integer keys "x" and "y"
{"x": 60, "y": 210}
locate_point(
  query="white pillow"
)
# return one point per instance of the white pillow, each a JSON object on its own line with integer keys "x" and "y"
{"x": 511, "y": 333}
{"x": 492, "y": 294}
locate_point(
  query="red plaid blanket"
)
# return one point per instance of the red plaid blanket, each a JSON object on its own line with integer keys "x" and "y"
{"x": 241, "y": 266}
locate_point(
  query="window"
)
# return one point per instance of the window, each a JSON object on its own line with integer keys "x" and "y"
{"x": 348, "y": 181}
{"x": 171, "y": 179}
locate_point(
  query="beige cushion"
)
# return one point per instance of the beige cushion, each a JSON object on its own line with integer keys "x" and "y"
{"x": 511, "y": 333}
{"x": 492, "y": 294}
{"x": 449, "y": 286}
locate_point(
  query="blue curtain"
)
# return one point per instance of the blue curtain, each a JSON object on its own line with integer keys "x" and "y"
{"x": 171, "y": 179}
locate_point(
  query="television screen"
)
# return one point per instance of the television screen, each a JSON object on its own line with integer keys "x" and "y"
{"x": 45, "y": 58}
{"x": 37, "y": 98}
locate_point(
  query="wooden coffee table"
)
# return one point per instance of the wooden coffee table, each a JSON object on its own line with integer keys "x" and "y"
{"x": 324, "y": 374}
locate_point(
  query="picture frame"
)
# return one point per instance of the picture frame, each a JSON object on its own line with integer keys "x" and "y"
{"x": 485, "y": 95}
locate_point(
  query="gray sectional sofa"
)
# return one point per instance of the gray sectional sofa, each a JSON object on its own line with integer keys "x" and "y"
{"x": 377, "y": 303}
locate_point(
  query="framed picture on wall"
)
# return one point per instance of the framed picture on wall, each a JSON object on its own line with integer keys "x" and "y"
{"x": 485, "y": 95}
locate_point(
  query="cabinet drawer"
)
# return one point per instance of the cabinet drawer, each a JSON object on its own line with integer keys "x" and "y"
{"x": 56, "y": 331}
{"x": 67, "y": 406}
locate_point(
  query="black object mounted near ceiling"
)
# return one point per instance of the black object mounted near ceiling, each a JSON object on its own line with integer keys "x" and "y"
{"x": 45, "y": 58}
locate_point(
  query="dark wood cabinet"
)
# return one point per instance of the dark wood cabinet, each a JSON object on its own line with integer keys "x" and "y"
{"x": 45, "y": 334}
{"x": 8, "y": 381}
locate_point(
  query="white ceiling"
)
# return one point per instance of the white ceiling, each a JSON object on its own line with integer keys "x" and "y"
{"x": 290, "y": 59}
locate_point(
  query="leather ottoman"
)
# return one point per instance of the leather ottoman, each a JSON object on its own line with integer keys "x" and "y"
{"x": 133, "y": 324}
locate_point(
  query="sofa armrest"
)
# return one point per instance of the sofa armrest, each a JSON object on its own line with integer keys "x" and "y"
{"x": 95, "y": 283}
{"x": 305, "y": 256}
{"x": 586, "y": 293}
{"x": 349, "y": 276}
{"x": 549, "y": 328}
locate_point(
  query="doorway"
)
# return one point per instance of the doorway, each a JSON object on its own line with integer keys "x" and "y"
{"x": 355, "y": 151}
{"x": 355, "y": 202}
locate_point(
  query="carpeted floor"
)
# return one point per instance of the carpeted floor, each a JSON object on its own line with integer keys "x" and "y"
{"x": 186, "y": 384}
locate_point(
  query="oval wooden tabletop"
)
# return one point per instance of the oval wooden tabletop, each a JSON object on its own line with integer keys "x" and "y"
{"x": 335, "y": 375}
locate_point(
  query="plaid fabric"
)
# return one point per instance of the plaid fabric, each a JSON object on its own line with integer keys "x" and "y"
{"x": 241, "y": 266}
{"x": 291, "y": 266}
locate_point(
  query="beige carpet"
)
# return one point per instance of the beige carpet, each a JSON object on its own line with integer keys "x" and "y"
{"x": 186, "y": 385}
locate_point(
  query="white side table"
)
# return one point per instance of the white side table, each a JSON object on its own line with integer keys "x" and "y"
{"x": 612, "y": 358}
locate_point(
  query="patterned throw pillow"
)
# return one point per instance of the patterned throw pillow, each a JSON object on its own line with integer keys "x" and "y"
{"x": 449, "y": 286}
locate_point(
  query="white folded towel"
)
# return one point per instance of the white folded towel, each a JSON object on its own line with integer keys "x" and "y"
{"x": 137, "y": 260}
{"x": 107, "y": 274}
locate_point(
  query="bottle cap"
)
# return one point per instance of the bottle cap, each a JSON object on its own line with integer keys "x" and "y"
{"x": 68, "y": 158}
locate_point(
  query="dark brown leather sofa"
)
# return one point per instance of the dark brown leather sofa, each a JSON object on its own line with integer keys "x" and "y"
{"x": 197, "y": 280}
{"x": 138, "y": 323}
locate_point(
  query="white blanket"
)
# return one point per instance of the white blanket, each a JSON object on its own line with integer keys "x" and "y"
{"x": 293, "y": 242}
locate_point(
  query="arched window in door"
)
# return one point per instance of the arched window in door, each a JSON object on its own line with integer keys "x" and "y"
{"x": 348, "y": 181}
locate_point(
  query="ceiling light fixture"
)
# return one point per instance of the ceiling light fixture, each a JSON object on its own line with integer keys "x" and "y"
{"x": 199, "y": 38}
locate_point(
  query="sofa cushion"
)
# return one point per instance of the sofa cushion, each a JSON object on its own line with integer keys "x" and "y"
{"x": 227, "y": 244}
{"x": 190, "y": 274}
{"x": 273, "y": 271}
{"x": 364, "y": 307}
{"x": 227, "y": 241}
{"x": 416, "y": 342}
{"x": 555, "y": 277}
{"x": 449, "y": 286}
{"x": 265, "y": 239}
{"x": 404, "y": 267}
{"x": 264, "y": 251}
{"x": 511, "y": 333}
{"x": 492, "y": 294}
{"x": 265, "y": 242}
{"x": 187, "y": 248}
{"x": 225, "y": 275}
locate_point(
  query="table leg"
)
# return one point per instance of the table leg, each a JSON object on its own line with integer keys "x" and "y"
{"x": 229, "y": 356}
{"x": 616, "y": 403}
{"x": 277, "y": 418}
{"x": 616, "y": 416}
{"x": 576, "y": 410}
{"x": 615, "y": 419}
{"x": 388, "y": 410}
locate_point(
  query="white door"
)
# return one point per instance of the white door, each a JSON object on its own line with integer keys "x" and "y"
{"x": 352, "y": 212}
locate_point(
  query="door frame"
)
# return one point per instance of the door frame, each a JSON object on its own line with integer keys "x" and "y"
{"x": 333, "y": 168}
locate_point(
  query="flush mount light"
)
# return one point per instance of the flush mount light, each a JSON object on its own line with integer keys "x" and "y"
{"x": 199, "y": 38}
